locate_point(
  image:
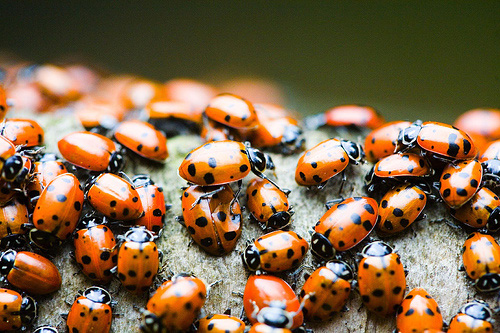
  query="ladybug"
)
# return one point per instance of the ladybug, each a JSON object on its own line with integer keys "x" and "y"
{"x": 441, "y": 139}
{"x": 4, "y": 107}
{"x": 197, "y": 94}
{"x": 91, "y": 312}
{"x": 22, "y": 132}
{"x": 268, "y": 205}
{"x": 30, "y": 272}
{"x": 175, "y": 305}
{"x": 419, "y": 312}
{"x": 381, "y": 279}
{"x": 459, "y": 182}
{"x": 212, "y": 217}
{"x": 174, "y": 117}
{"x": 481, "y": 260}
{"x": 491, "y": 152}
{"x": 275, "y": 252}
{"x": 232, "y": 111}
{"x": 483, "y": 122}
{"x": 153, "y": 203}
{"x": 96, "y": 252}
{"x": 483, "y": 210}
{"x": 381, "y": 142}
{"x": 325, "y": 160}
{"x": 14, "y": 222}
{"x": 115, "y": 197}
{"x": 56, "y": 83}
{"x": 399, "y": 208}
{"x": 213, "y": 131}
{"x": 360, "y": 116}
{"x": 262, "y": 291}
{"x": 11, "y": 163}
{"x": 98, "y": 115}
{"x": 44, "y": 171}
{"x": 91, "y": 151}
{"x": 57, "y": 211}
{"x": 343, "y": 226}
{"x": 17, "y": 312}
{"x": 222, "y": 162}
{"x": 476, "y": 317}
{"x": 221, "y": 323}
{"x": 143, "y": 139}
{"x": 328, "y": 288}
{"x": 139, "y": 92}
{"x": 138, "y": 260}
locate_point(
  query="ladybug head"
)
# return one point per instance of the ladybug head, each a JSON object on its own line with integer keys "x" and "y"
{"x": 376, "y": 249}
{"x": 116, "y": 162}
{"x": 251, "y": 257}
{"x": 275, "y": 315}
{"x": 29, "y": 310}
{"x": 46, "y": 329}
{"x": 151, "y": 323}
{"x": 488, "y": 282}
{"x": 354, "y": 151}
{"x": 97, "y": 295}
{"x": 91, "y": 220}
{"x": 477, "y": 309}
{"x": 139, "y": 235}
{"x": 321, "y": 246}
{"x": 12, "y": 168}
{"x": 407, "y": 137}
{"x": 142, "y": 180}
{"x": 7, "y": 261}
{"x": 493, "y": 223}
{"x": 292, "y": 139}
{"x": 279, "y": 220}
{"x": 259, "y": 161}
{"x": 341, "y": 269}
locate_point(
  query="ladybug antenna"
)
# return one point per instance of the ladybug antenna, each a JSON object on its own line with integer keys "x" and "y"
{"x": 209, "y": 289}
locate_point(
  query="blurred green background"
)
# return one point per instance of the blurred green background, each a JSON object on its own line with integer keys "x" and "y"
{"x": 421, "y": 59}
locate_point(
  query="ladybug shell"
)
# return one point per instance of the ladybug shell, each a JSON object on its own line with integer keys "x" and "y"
{"x": 87, "y": 150}
{"x": 465, "y": 323}
{"x": 43, "y": 173}
{"x": 399, "y": 208}
{"x": 96, "y": 252}
{"x": 56, "y": 83}
{"x": 353, "y": 115}
{"x": 59, "y": 206}
{"x": 321, "y": 163}
{"x": 347, "y": 223}
{"x": 143, "y": 139}
{"x": 270, "y": 132}
{"x": 153, "y": 203}
{"x": 137, "y": 265}
{"x": 22, "y": 132}
{"x": 13, "y": 219}
{"x": 460, "y": 181}
{"x": 281, "y": 250}
{"x": 231, "y": 110}
{"x": 328, "y": 294}
{"x": 381, "y": 142}
{"x": 264, "y": 200}
{"x": 446, "y": 140}
{"x": 195, "y": 93}
{"x": 10, "y": 311}
{"x": 7, "y": 149}
{"x": 27, "y": 96}
{"x": 3, "y": 103}
{"x": 178, "y": 302}
{"x": 173, "y": 109}
{"x": 263, "y": 328}
{"x": 419, "y": 312}
{"x": 484, "y": 122}
{"x": 139, "y": 92}
{"x": 491, "y": 152}
{"x": 481, "y": 258}
{"x": 221, "y": 323}
{"x": 34, "y": 274}
{"x": 476, "y": 212}
{"x": 263, "y": 289}
{"x": 211, "y": 223}
{"x": 402, "y": 165}
{"x": 115, "y": 197}
{"x": 381, "y": 282}
{"x": 216, "y": 163}
{"x": 89, "y": 316}
{"x": 95, "y": 112}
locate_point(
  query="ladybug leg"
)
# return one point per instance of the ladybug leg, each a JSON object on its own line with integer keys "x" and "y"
{"x": 235, "y": 196}
{"x": 206, "y": 195}
{"x": 211, "y": 285}
{"x": 332, "y": 202}
{"x": 263, "y": 176}
{"x": 322, "y": 185}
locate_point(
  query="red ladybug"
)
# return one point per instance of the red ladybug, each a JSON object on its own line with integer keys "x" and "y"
{"x": 213, "y": 220}
{"x": 483, "y": 122}
{"x": 399, "y": 208}
{"x": 475, "y": 316}
{"x": 115, "y": 197}
{"x": 483, "y": 210}
{"x": 459, "y": 182}
{"x": 91, "y": 312}
{"x": 262, "y": 291}
{"x": 91, "y": 151}
{"x": 4, "y": 107}
{"x": 175, "y": 305}
{"x": 440, "y": 139}
{"x": 14, "y": 222}
{"x": 381, "y": 279}
{"x": 275, "y": 252}
{"x": 231, "y": 110}
{"x": 381, "y": 142}
{"x": 347, "y": 115}
{"x": 328, "y": 288}
{"x": 44, "y": 171}
{"x": 343, "y": 226}
{"x": 418, "y": 312}
{"x": 325, "y": 160}
{"x": 30, "y": 272}
{"x": 11, "y": 163}
{"x": 57, "y": 211}
{"x": 18, "y": 312}
{"x": 268, "y": 205}
{"x": 96, "y": 251}
{"x": 138, "y": 260}
{"x": 143, "y": 139}
{"x": 22, "y": 132}
{"x": 481, "y": 259}
{"x": 220, "y": 323}
{"x": 153, "y": 203}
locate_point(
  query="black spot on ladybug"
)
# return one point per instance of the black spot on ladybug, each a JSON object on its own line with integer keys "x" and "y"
{"x": 317, "y": 179}
{"x": 192, "y": 169}
{"x": 429, "y": 312}
{"x": 410, "y": 168}
{"x": 227, "y": 118}
{"x": 209, "y": 178}
{"x": 356, "y": 219}
{"x": 201, "y": 222}
{"x": 230, "y": 235}
{"x": 105, "y": 255}
{"x": 221, "y": 216}
{"x": 212, "y": 162}
{"x": 369, "y": 209}
{"x": 341, "y": 244}
{"x": 398, "y": 212}
{"x": 384, "y": 203}
{"x": 157, "y": 212}
{"x": 125, "y": 211}
{"x": 112, "y": 203}
{"x": 191, "y": 230}
{"x": 396, "y": 290}
{"x": 139, "y": 147}
{"x": 206, "y": 242}
{"x": 446, "y": 176}
{"x": 462, "y": 192}
{"x": 243, "y": 168}
{"x": 132, "y": 273}
{"x": 467, "y": 146}
{"x": 186, "y": 194}
{"x": 474, "y": 183}
{"x": 378, "y": 293}
{"x": 254, "y": 192}
{"x": 77, "y": 205}
{"x": 404, "y": 222}
{"x": 314, "y": 165}
{"x": 453, "y": 148}
{"x": 446, "y": 193}
{"x": 409, "y": 312}
{"x": 367, "y": 225}
{"x": 61, "y": 198}
{"x": 302, "y": 176}
{"x": 135, "y": 199}
{"x": 86, "y": 260}
{"x": 365, "y": 298}
{"x": 388, "y": 225}
{"x": 290, "y": 253}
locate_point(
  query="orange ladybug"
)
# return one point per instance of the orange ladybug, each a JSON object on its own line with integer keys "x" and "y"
{"x": 275, "y": 252}
{"x": 11, "y": 163}
{"x": 491, "y": 152}
{"x": 483, "y": 122}
{"x": 268, "y": 205}
{"x": 220, "y": 323}
{"x": 44, "y": 171}
{"x": 153, "y": 203}
{"x": 360, "y": 116}
{"x": 418, "y": 312}
{"x": 231, "y": 110}
{"x": 381, "y": 279}
{"x": 459, "y": 182}
{"x": 475, "y": 317}
{"x": 174, "y": 117}
{"x": 22, "y": 132}
{"x": 14, "y": 222}
{"x": 483, "y": 210}
{"x": 381, "y": 142}
{"x": 91, "y": 312}
{"x": 18, "y": 312}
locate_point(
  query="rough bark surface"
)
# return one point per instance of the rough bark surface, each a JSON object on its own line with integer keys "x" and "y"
{"x": 430, "y": 250}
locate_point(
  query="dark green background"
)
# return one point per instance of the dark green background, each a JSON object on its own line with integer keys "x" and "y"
{"x": 429, "y": 60}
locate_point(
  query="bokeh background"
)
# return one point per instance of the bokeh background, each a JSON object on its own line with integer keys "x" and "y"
{"x": 412, "y": 59}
